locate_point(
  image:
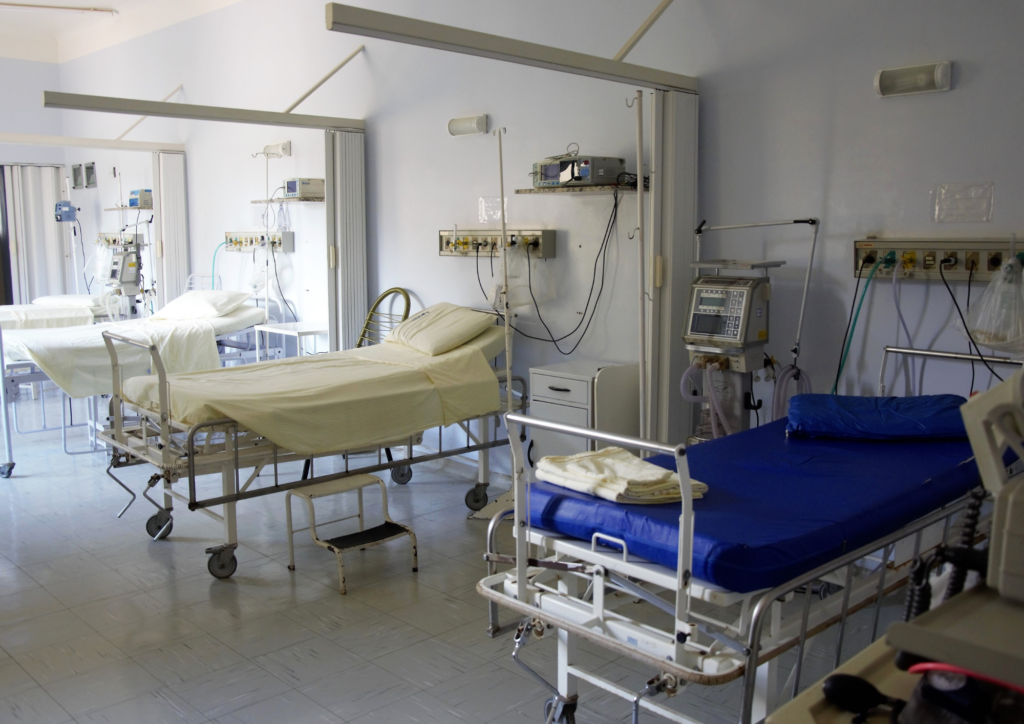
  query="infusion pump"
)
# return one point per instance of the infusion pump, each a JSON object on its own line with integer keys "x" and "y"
{"x": 728, "y": 315}
{"x": 125, "y": 270}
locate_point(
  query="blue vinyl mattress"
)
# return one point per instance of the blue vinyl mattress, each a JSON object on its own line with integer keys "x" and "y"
{"x": 777, "y": 507}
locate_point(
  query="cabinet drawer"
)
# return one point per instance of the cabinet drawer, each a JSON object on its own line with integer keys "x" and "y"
{"x": 547, "y": 442}
{"x": 572, "y": 391}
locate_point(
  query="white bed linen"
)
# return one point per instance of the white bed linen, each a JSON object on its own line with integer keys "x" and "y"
{"x": 336, "y": 401}
{"x": 76, "y": 358}
{"x": 30, "y": 316}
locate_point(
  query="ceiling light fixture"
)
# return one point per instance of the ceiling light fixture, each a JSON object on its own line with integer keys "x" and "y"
{"x": 55, "y": 8}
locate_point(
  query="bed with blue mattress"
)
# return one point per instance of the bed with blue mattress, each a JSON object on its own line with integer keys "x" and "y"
{"x": 777, "y": 506}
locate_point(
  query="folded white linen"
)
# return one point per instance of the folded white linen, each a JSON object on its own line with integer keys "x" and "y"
{"x": 28, "y": 316}
{"x": 615, "y": 474}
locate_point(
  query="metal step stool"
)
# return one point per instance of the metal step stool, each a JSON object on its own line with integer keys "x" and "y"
{"x": 365, "y": 538}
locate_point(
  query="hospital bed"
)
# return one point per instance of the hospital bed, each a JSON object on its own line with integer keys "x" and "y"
{"x": 730, "y": 581}
{"x": 368, "y": 400}
{"x": 61, "y": 310}
{"x": 76, "y": 361}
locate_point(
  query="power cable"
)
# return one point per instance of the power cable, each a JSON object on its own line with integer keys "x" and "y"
{"x": 942, "y": 273}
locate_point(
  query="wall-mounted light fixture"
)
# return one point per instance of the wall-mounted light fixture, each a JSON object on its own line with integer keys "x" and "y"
{"x": 468, "y": 126}
{"x": 913, "y": 79}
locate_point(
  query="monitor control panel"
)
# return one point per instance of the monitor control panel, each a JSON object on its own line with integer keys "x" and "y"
{"x": 728, "y": 312}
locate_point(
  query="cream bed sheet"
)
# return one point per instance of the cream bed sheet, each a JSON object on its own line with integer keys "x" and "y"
{"x": 76, "y": 358}
{"x": 336, "y": 401}
{"x": 30, "y": 316}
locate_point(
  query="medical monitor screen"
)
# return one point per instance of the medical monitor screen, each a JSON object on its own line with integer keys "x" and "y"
{"x": 714, "y": 324}
{"x": 550, "y": 172}
{"x": 712, "y": 302}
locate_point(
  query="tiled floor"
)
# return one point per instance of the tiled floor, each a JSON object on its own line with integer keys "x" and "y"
{"x": 100, "y": 624}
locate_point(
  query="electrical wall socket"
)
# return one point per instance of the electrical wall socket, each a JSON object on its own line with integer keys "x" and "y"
{"x": 921, "y": 257}
{"x": 488, "y": 242}
{"x": 284, "y": 241}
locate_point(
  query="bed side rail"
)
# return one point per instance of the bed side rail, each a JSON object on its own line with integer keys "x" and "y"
{"x": 109, "y": 338}
{"x": 513, "y": 424}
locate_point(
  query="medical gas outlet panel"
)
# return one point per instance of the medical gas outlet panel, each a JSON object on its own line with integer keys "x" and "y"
{"x": 111, "y": 241}
{"x": 283, "y": 241}
{"x": 488, "y": 243}
{"x": 921, "y": 258}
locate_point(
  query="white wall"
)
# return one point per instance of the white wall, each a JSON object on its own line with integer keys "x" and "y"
{"x": 790, "y": 126}
{"x": 22, "y": 83}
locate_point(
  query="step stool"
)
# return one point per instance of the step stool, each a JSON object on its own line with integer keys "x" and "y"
{"x": 365, "y": 538}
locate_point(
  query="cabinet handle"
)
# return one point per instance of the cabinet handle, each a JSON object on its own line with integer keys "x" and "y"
{"x": 558, "y": 389}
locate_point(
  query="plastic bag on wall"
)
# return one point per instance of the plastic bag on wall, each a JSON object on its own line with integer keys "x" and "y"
{"x": 996, "y": 320}
{"x": 964, "y": 203}
{"x": 489, "y": 210}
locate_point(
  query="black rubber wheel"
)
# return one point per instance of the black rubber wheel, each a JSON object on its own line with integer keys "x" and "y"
{"x": 154, "y": 524}
{"x": 568, "y": 712}
{"x": 476, "y": 497}
{"x": 220, "y": 570}
{"x": 6, "y": 469}
{"x": 402, "y": 475}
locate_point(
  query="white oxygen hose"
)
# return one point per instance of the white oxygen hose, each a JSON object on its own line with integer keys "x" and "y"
{"x": 780, "y": 399}
{"x": 716, "y": 405}
{"x": 685, "y": 384}
{"x": 903, "y": 323}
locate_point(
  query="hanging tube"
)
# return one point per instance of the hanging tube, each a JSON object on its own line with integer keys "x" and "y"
{"x": 640, "y": 259}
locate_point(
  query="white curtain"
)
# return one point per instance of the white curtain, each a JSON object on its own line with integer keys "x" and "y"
{"x": 41, "y": 261}
{"x": 172, "y": 264}
{"x": 346, "y": 201}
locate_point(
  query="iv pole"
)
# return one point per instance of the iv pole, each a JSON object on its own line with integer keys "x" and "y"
{"x": 638, "y": 102}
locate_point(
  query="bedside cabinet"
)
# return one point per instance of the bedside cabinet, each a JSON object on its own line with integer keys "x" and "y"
{"x": 585, "y": 393}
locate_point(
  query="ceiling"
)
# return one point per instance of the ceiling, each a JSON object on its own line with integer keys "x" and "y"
{"x": 47, "y": 24}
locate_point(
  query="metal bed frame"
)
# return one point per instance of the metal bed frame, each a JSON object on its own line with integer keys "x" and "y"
{"x": 225, "y": 447}
{"x": 716, "y": 636}
{"x": 16, "y": 374}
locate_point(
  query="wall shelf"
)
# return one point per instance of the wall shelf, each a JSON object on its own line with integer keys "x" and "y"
{"x": 578, "y": 190}
{"x": 312, "y": 200}
{"x": 126, "y": 208}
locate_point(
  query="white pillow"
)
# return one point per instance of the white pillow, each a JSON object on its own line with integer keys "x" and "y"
{"x": 205, "y": 304}
{"x": 68, "y": 300}
{"x": 440, "y": 328}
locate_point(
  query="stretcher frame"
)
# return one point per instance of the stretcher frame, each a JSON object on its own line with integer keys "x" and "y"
{"x": 225, "y": 447}
{"x": 578, "y": 588}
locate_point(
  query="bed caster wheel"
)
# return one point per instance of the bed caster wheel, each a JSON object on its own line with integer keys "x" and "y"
{"x": 476, "y": 498}
{"x": 401, "y": 475}
{"x": 159, "y": 526}
{"x": 566, "y": 716}
{"x": 6, "y": 469}
{"x": 220, "y": 567}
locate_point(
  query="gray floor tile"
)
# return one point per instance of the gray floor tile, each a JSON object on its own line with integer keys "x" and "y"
{"x": 33, "y": 706}
{"x": 121, "y": 610}
{"x": 188, "y": 659}
{"x": 439, "y": 614}
{"x": 47, "y": 630}
{"x": 377, "y": 636}
{"x": 15, "y": 580}
{"x": 27, "y": 604}
{"x": 308, "y": 661}
{"x": 156, "y": 707}
{"x": 358, "y": 690}
{"x": 136, "y": 637}
{"x": 393, "y": 592}
{"x": 88, "y": 588}
{"x": 429, "y": 663}
{"x": 70, "y": 658}
{"x": 291, "y": 707}
{"x": 14, "y": 679}
{"x": 102, "y": 688}
{"x": 61, "y": 569}
{"x": 230, "y": 689}
{"x": 420, "y": 708}
{"x": 263, "y": 635}
{"x": 489, "y": 691}
{"x": 331, "y": 614}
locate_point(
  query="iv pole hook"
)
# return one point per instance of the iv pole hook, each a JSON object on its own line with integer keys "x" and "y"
{"x": 630, "y": 102}
{"x": 632, "y": 234}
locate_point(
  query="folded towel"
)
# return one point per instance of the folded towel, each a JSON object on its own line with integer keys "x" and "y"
{"x": 615, "y": 474}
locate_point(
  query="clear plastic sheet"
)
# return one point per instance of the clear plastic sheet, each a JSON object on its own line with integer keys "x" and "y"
{"x": 489, "y": 210}
{"x": 996, "y": 320}
{"x": 969, "y": 203}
